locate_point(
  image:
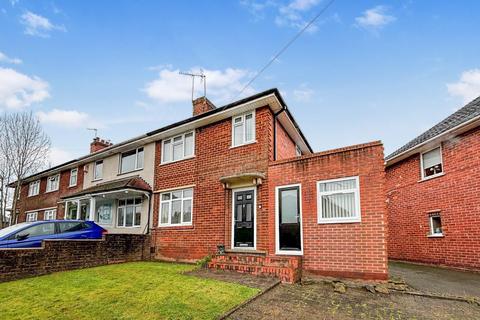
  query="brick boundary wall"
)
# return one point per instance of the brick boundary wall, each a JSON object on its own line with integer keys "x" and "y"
{"x": 63, "y": 255}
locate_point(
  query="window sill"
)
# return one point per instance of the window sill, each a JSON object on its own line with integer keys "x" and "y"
{"x": 175, "y": 226}
{"x": 339, "y": 221}
{"x": 50, "y": 191}
{"x": 432, "y": 177}
{"x": 132, "y": 227}
{"x": 96, "y": 180}
{"x": 243, "y": 144}
{"x": 72, "y": 186}
{"x": 436, "y": 236}
{"x": 170, "y": 162}
{"x": 127, "y": 172}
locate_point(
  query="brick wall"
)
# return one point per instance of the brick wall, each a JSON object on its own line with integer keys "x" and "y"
{"x": 62, "y": 255}
{"x": 341, "y": 249}
{"x": 50, "y": 199}
{"x": 285, "y": 144}
{"x": 456, "y": 195}
{"x": 214, "y": 158}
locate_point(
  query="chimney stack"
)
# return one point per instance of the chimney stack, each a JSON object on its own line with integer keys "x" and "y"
{"x": 99, "y": 144}
{"x": 201, "y": 105}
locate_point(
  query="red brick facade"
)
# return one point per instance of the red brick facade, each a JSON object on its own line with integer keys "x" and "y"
{"x": 456, "y": 195}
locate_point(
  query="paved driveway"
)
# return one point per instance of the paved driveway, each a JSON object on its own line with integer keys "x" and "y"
{"x": 437, "y": 280}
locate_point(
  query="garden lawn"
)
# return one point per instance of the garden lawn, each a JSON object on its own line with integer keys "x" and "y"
{"x": 141, "y": 290}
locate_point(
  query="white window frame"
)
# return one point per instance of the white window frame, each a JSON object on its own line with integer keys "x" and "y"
{"x": 36, "y": 189}
{"x": 169, "y": 223}
{"x": 136, "y": 161}
{"x": 356, "y": 191}
{"x": 95, "y": 170}
{"x": 422, "y": 171}
{"x": 242, "y": 116}
{"x": 163, "y": 161}
{"x": 70, "y": 184}
{"x": 125, "y": 212}
{"x": 430, "y": 220}
{"x": 298, "y": 151}
{"x": 52, "y": 212}
{"x": 31, "y": 214}
{"x": 277, "y": 221}
{"x": 49, "y": 184}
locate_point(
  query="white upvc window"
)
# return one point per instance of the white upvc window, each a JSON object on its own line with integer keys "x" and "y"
{"x": 176, "y": 207}
{"x": 129, "y": 212}
{"x": 34, "y": 188}
{"x": 131, "y": 160}
{"x": 179, "y": 147}
{"x": 431, "y": 163}
{"x": 53, "y": 183}
{"x": 32, "y": 216}
{"x": 338, "y": 200}
{"x": 298, "y": 151}
{"x": 243, "y": 129}
{"x": 435, "y": 225}
{"x": 98, "y": 170}
{"x": 73, "y": 177}
{"x": 50, "y": 214}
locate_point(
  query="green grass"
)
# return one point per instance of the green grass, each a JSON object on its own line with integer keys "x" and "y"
{"x": 143, "y": 290}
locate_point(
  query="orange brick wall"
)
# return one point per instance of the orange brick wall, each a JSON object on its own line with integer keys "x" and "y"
{"x": 342, "y": 249}
{"x": 285, "y": 145}
{"x": 456, "y": 195}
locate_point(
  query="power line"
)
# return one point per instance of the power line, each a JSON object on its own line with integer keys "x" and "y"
{"x": 289, "y": 43}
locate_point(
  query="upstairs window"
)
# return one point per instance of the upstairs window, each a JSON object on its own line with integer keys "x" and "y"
{"x": 73, "y": 177}
{"x": 33, "y": 188}
{"x": 243, "y": 129}
{"x": 98, "y": 170}
{"x": 53, "y": 183}
{"x": 131, "y": 160}
{"x": 432, "y": 163}
{"x": 176, "y": 207}
{"x": 338, "y": 201}
{"x": 178, "y": 148}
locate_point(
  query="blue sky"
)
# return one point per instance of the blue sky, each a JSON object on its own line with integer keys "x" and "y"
{"x": 367, "y": 70}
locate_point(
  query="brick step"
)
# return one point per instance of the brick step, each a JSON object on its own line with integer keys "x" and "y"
{"x": 254, "y": 260}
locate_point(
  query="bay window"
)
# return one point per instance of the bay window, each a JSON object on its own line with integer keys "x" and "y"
{"x": 178, "y": 148}
{"x": 129, "y": 212}
{"x": 176, "y": 207}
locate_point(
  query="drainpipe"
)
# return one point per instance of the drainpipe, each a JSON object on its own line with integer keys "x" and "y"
{"x": 275, "y": 115}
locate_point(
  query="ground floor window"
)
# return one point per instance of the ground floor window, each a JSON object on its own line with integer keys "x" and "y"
{"x": 129, "y": 212}
{"x": 50, "y": 214}
{"x": 32, "y": 216}
{"x": 176, "y": 207}
{"x": 104, "y": 214}
{"x": 71, "y": 210}
{"x": 338, "y": 200}
{"x": 436, "y": 224}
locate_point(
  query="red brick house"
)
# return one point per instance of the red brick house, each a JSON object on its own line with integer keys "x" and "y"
{"x": 433, "y": 194}
{"x": 242, "y": 180}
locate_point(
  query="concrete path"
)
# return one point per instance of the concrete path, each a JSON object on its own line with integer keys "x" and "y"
{"x": 437, "y": 280}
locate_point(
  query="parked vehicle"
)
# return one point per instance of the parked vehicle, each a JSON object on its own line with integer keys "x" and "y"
{"x": 31, "y": 234}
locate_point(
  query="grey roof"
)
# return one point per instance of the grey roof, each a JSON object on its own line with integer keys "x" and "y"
{"x": 468, "y": 112}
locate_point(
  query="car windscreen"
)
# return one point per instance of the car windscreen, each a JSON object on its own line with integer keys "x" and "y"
{"x": 15, "y": 227}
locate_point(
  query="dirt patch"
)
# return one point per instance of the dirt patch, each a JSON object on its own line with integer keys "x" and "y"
{"x": 437, "y": 280}
{"x": 319, "y": 301}
{"x": 248, "y": 280}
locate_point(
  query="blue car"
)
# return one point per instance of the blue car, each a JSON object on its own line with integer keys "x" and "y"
{"x": 31, "y": 234}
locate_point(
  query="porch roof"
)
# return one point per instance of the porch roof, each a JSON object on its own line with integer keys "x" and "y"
{"x": 132, "y": 183}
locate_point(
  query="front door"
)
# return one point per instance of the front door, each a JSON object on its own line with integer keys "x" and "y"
{"x": 289, "y": 233}
{"x": 244, "y": 211}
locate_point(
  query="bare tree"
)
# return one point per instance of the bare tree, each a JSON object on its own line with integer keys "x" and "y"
{"x": 24, "y": 146}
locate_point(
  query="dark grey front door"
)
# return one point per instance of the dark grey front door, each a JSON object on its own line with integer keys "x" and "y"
{"x": 244, "y": 219}
{"x": 289, "y": 219}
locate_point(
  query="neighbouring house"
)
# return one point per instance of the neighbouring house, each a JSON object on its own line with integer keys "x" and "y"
{"x": 238, "y": 183}
{"x": 433, "y": 192}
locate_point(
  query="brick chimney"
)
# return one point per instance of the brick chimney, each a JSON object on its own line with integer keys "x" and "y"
{"x": 99, "y": 144}
{"x": 201, "y": 105}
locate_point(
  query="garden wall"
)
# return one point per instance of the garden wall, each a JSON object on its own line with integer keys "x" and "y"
{"x": 62, "y": 255}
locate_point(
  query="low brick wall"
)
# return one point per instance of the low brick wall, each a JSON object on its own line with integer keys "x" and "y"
{"x": 62, "y": 255}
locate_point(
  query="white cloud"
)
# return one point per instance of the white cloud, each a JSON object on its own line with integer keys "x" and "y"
{"x": 7, "y": 59}
{"x": 18, "y": 90}
{"x": 59, "y": 156}
{"x": 468, "y": 87}
{"x": 374, "y": 18}
{"x": 292, "y": 14}
{"x": 303, "y": 93}
{"x": 257, "y": 8}
{"x": 36, "y": 25}
{"x": 65, "y": 118}
{"x": 222, "y": 85}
